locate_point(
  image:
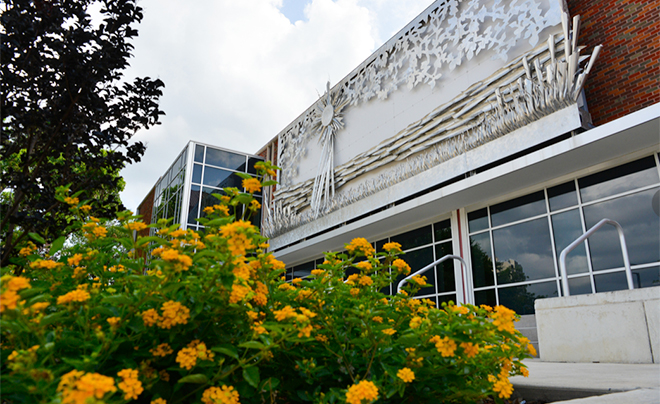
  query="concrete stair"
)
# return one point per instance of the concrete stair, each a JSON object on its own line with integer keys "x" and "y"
{"x": 527, "y": 326}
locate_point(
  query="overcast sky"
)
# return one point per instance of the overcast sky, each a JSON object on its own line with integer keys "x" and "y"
{"x": 236, "y": 72}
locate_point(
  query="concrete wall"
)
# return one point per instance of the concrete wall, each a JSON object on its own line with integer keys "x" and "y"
{"x": 616, "y": 327}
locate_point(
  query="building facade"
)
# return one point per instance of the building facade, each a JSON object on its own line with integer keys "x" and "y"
{"x": 496, "y": 132}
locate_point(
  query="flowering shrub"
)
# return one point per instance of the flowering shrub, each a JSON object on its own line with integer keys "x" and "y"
{"x": 184, "y": 316}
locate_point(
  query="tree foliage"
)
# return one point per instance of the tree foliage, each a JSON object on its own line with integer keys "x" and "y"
{"x": 67, "y": 114}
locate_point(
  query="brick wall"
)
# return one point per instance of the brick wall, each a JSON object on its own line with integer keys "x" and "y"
{"x": 145, "y": 209}
{"x": 626, "y": 77}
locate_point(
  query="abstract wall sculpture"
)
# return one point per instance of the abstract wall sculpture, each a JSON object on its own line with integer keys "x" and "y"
{"x": 545, "y": 80}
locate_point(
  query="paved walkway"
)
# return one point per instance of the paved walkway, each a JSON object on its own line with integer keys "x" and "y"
{"x": 590, "y": 383}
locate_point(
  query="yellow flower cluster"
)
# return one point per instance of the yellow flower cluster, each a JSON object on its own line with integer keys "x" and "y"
{"x": 181, "y": 261}
{"x": 75, "y": 260}
{"x": 377, "y": 319}
{"x": 71, "y": 201}
{"x": 238, "y": 236}
{"x": 361, "y": 393}
{"x": 458, "y": 309}
{"x": 420, "y": 280}
{"x": 406, "y": 375}
{"x": 135, "y": 226}
{"x": 113, "y": 321}
{"x": 27, "y": 250}
{"x": 217, "y": 395}
{"x": 446, "y": 346}
{"x": 401, "y": 266}
{"x": 364, "y": 266}
{"x": 415, "y": 322}
{"x": 130, "y": 384}
{"x": 174, "y": 313}
{"x": 503, "y": 319}
{"x": 366, "y": 281}
{"x": 318, "y": 272}
{"x": 93, "y": 230}
{"x": 392, "y": 247}
{"x": 389, "y": 331}
{"x": 252, "y": 185}
{"x": 471, "y": 350}
{"x": 187, "y": 357}
{"x": 222, "y": 209}
{"x": 45, "y": 264}
{"x": 77, "y": 295}
{"x": 159, "y": 401}
{"x": 161, "y": 350}
{"x": 360, "y": 246}
{"x": 77, "y": 387}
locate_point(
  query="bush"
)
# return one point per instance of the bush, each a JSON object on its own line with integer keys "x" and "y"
{"x": 208, "y": 317}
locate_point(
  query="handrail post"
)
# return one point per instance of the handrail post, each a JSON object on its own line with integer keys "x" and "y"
{"x": 580, "y": 240}
{"x": 431, "y": 265}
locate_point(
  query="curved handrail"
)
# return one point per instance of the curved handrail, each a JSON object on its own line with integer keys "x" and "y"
{"x": 429, "y": 266}
{"x": 580, "y": 240}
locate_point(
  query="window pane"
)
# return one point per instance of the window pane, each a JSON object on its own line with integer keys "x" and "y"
{"x": 380, "y": 244}
{"x": 417, "y": 260}
{"x": 611, "y": 282}
{"x": 255, "y": 218}
{"x": 482, "y": 266}
{"x": 485, "y": 297}
{"x": 646, "y": 277}
{"x": 218, "y": 178}
{"x": 566, "y": 228}
{"x": 521, "y": 298}
{"x": 518, "y": 209}
{"x": 446, "y": 299}
{"x": 414, "y": 238}
{"x": 623, "y": 178}
{"x": 523, "y": 252}
{"x": 445, "y": 271}
{"x": 562, "y": 196}
{"x": 199, "y": 153}
{"x": 442, "y": 230}
{"x": 197, "y": 173}
{"x": 251, "y": 162}
{"x": 580, "y": 286}
{"x": 193, "y": 204}
{"x": 478, "y": 220}
{"x": 225, "y": 159}
{"x": 303, "y": 270}
{"x": 641, "y": 227}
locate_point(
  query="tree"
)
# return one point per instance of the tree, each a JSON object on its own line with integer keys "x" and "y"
{"x": 67, "y": 115}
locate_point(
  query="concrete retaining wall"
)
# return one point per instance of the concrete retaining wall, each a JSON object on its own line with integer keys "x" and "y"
{"x": 615, "y": 327}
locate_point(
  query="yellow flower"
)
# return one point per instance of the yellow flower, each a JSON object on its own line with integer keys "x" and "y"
{"x": 174, "y": 313}
{"x": 415, "y": 322}
{"x": 25, "y": 251}
{"x": 261, "y": 294}
{"x": 366, "y": 281}
{"x": 237, "y": 234}
{"x": 355, "y": 291}
{"x": 71, "y": 201}
{"x": 401, "y": 266}
{"x": 158, "y": 401}
{"x": 130, "y": 384}
{"x": 296, "y": 281}
{"x": 364, "y": 266}
{"x": 459, "y": 309}
{"x": 305, "y": 331}
{"x": 238, "y": 293}
{"x": 360, "y": 246}
{"x": 45, "y": 264}
{"x": 501, "y": 385}
{"x": 9, "y": 300}
{"x": 77, "y": 387}
{"x": 531, "y": 349}
{"x": 113, "y": 321}
{"x": 471, "y": 350}
{"x": 503, "y": 319}
{"x": 217, "y": 395}
{"x": 135, "y": 226}
{"x": 392, "y": 247}
{"x": 252, "y": 185}
{"x": 161, "y": 350}
{"x": 321, "y": 338}
{"x": 150, "y": 317}
{"x": 524, "y": 372}
{"x": 377, "y": 319}
{"x": 445, "y": 346}
{"x": 75, "y": 260}
{"x": 255, "y": 205}
{"x": 286, "y": 286}
{"x": 406, "y": 375}
{"x": 77, "y": 295}
{"x": 16, "y": 283}
{"x": 364, "y": 391}
{"x": 389, "y": 331}
{"x": 286, "y": 313}
{"x": 318, "y": 272}
{"x": 420, "y": 280}
{"x": 85, "y": 208}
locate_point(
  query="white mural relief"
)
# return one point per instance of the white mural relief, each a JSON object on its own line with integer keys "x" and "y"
{"x": 545, "y": 80}
{"x": 439, "y": 41}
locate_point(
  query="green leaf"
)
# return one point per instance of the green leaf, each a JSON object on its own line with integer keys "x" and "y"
{"x": 151, "y": 239}
{"x": 252, "y": 344}
{"x": 198, "y": 378}
{"x": 228, "y": 350}
{"x": 37, "y": 238}
{"x": 251, "y": 375}
{"x": 39, "y": 298}
{"x": 268, "y": 183}
{"x": 244, "y": 176}
{"x": 117, "y": 300}
{"x": 270, "y": 384}
{"x": 57, "y": 245}
{"x": 28, "y": 293}
{"x": 51, "y": 318}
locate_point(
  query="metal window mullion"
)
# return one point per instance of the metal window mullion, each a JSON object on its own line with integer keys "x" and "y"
{"x": 587, "y": 250}
{"x": 552, "y": 240}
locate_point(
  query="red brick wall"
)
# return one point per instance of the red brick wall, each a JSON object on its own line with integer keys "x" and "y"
{"x": 626, "y": 76}
{"x": 145, "y": 209}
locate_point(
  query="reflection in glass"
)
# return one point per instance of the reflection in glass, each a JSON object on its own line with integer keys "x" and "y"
{"x": 417, "y": 260}
{"x": 478, "y": 220}
{"x": 521, "y": 298}
{"x": 218, "y": 178}
{"x": 579, "y": 286}
{"x": 446, "y": 281}
{"x": 414, "y": 238}
{"x": 641, "y": 227}
{"x": 225, "y": 159}
{"x": 486, "y": 297}
{"x": 303, "y": 270}
{"x": 482, "y": 265}
{"x": 442, "y": 230}
{"x": 646, "y": 277}
{"x": 251, "y": 162}
{"x": 523, "y": 252}
{"x": 619, "y": 179}
{"x": 193, "y": 204}
{"x": 566, "y": 227}
{"x": 197, "y": 173}
{"x": 446, "y": 299}
{"x": 518, "y": 209}
{"x": 199, "y": 153}
{"x": 611, "y": 282}
{"x": 562, "y": 196}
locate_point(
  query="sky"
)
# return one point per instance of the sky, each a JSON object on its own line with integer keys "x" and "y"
{"x": 237, "y": 72}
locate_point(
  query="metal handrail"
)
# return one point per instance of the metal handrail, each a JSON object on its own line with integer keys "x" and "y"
{"x": 580, "y": 240}
{"x": 429, "y": 266}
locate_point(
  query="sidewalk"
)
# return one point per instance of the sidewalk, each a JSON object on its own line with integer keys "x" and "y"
{"x": 578, "y": 383}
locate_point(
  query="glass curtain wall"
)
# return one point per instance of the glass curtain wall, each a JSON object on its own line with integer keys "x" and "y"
{"x": 168, "y": 195}
{"x": 515, "y": 245}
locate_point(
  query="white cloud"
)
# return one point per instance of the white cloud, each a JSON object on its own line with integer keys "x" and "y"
{"x": 237, "y": 72}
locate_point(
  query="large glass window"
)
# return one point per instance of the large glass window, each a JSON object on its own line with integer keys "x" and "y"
{"x": 515, "y": 245}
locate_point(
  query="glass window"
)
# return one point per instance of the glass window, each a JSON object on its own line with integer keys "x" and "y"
{"x": 442, "y": 230}
{"x": 518, "y": 209}
{"x": 567, "y": 227}
{"x": 251, "y": 162}
{"x": 646, "y": 277}
{"x": 521, "y": 298}
{"x": 579, "y": 286}
{"x": 225, "y": 159}
{"x": 303, "y": 270}
{"x": 414, "y": 238}
{"x": 446, "y": 281}
{"x": 523, "y": 252}
{"x": 482, "y": 265}
{"x": 199, "y": 153}
{"x": 620, "y": 179}
{"x": 611, "y": 282}
{"x": 218, "y": 178}
{"x": 446, "y": 299}
{"x": 197, "y": 173}
{"x": 417, "y": 260}
{"x": 485, "y": 297}
{"x": 641, "y": 227}
{"x": 478, "y": 220}
{"x": 562, "y": 196}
